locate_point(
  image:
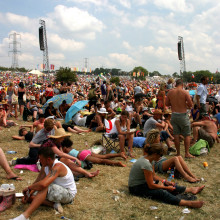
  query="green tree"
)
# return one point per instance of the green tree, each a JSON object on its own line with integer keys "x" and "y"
{"x": 115, "y": 80}
{"x": 66, "y": 75}
{"x": 154, "y": 73}
{"x": 175, "y": 75}
{"x": 140, "y": 69}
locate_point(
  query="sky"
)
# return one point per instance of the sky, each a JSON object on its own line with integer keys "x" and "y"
{"x": 113, "y": 33}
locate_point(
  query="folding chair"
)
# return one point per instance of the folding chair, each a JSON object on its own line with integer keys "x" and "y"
{"x": 108, "y": 139}
{"x": 110, "y": 143}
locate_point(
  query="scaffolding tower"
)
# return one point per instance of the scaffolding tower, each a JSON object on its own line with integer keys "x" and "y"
{"x": 46, "y": 67}
{"x": 181, "y": 55}
{"x": 14, "y": 50}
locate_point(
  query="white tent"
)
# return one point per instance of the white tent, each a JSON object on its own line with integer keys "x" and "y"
{"x": 36, "y": 72}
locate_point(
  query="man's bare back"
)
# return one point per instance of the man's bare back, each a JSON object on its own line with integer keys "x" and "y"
{"x": 179, "y": 100}
{"x": 210, "y": 127}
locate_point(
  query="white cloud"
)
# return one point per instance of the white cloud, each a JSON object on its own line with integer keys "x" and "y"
{"x": 65, "y": 44}
{"x": 138, "y": 22}
{"x": 56, "y": 56}
{"x": 77, "y": 20}
{"x": 125, "y": 3}
{"x": 116, "y": 33}
{"x": 126, "y": 45}
{"x": 95, "y": 2}
{"x": 173, "y": 5}
{"x": 122, "y": 59}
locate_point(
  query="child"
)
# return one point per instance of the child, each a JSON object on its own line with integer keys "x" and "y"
{"x": 87, "y": 155}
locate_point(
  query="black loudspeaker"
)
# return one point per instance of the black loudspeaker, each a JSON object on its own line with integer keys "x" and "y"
{"x": 179, "y": 50}
{"x": 41, "y": 38}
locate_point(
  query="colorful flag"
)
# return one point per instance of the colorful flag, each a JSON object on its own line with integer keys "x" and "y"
{"x": 134, "y": 74}
{"x": 138, "y": 74}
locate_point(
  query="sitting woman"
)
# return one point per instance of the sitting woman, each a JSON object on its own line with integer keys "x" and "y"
{"x": 195, "y": 113}
{"x": 34, "y": 107}
{"x": 122, "y": 129}
{"x": 144, "y": 183}
{"x": 51, "y": 111}
{"x": 163, "y": 164}
{"x": 3, "y": 119}
{"x": 87, "y": 155}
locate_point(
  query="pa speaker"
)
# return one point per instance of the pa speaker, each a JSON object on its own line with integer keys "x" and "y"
{"x": 179, "y": 50}
{"x": 41, "y": 38}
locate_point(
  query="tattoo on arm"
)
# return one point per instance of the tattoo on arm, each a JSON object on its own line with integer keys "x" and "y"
{"x": 52, "y": 173}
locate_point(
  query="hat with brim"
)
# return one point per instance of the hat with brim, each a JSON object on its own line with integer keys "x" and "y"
{"x": 157, "y": 112}
{"x": 167, "y": 112}
{"x": 59, "y": 133}
{"x": 102, "y": 111}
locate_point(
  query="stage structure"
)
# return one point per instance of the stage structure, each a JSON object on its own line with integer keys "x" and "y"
{"x": 43, "y": 45}
{"x": 181, "y": 55}
{"x": 14, "y": 50}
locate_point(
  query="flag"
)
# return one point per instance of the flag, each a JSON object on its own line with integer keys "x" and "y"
{"x": 134, "y": 74}
{"x": 138, "y": 74}
{"x": 52, "y": 67}
{"x": 193, "y": 76}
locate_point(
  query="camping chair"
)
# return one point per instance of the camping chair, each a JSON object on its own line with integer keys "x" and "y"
{"x": 108, "y": 140}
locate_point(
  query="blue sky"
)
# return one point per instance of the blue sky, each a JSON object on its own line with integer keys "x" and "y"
{"x": 114, "y": 34}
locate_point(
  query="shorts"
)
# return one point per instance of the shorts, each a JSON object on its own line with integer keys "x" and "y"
{"x": 158, "y": 165}
{"x": 94, "y": 129}
{"x": 181, "y": 124}
{"x": 202, "y": 110}
{"x": 65, "y": 127}
{"x": 164, "y": 135}
{"x": 84, "y": 154}
{"x": 206, "y": 136}
{"x": 57, "y": 193}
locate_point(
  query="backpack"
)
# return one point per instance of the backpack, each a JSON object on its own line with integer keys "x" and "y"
{"x": 91, "y": 94}
{"x": 198, "y": 147}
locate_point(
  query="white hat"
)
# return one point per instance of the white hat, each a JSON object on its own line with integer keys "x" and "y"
{"x": 102, "y": 111}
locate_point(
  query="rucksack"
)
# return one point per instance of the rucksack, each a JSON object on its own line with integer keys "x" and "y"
{"x": 91, "y": 94}
{"x": 198, "y": 146}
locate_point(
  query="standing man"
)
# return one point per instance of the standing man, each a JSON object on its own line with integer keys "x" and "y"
{"x": 202, "y": 95}
{"x": 54, "y": 185}
{"x": 180, "y": 100}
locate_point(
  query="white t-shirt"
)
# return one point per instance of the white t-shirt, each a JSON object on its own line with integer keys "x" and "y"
{"x": 202, "y": 92}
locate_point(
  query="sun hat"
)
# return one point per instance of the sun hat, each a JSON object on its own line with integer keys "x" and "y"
{"x": 60, "y": 132}
{"x": 167, "y": 112}
{"x": 157, "y": 112}
{"x": 102, "y": 111}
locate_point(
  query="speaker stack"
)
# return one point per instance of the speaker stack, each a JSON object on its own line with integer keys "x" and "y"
{"x": 179, "y": 50}
{"x": 41, "y": 38}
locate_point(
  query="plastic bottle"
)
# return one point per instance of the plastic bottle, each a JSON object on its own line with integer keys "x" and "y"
{"x": 86, "y": 144}
{"x": 5, "y": 186}
{"x": 171, "y": 175}
{"x": 11, "y": 152}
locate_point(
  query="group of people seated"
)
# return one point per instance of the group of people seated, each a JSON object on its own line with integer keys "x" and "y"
{"x": 127, "y": 120}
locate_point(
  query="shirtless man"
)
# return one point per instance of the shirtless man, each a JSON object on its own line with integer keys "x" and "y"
{"x": 206, "y": 130}
{"x": 180, "y": 100}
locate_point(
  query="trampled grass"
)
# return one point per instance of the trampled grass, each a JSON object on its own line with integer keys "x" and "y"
{"x": 95, "y": 198}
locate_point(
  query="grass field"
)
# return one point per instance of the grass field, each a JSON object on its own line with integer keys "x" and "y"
{"x": 95, "y": 198}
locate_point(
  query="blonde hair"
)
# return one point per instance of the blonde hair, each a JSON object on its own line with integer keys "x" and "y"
{"x": 152, "y": 136}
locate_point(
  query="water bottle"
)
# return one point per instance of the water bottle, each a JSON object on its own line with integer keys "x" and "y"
{"x": 171, "y": 175}
{"x": 11, "y": 152}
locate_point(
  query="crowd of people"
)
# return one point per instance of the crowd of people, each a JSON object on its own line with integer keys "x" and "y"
{"x": 152, "y": 115}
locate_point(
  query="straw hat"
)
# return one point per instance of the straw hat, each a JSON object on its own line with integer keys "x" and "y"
{"x": 102, "y": 111}
{"x": 157, "y": 112}
{"x": 167, "y": 112}
{"x": 59, "y": 133}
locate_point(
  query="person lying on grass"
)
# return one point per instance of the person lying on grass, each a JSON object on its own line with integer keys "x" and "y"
{"x": 87, "y": 155}
{"x": 163, "y": 164}
{"x": 142, "y": 181}
{"x": 54, "y": 185}
{"x": 54, "y": 142}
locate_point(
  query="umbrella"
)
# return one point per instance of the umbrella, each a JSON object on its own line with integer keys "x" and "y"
{"x": 58, "y": 99}
{"x": 74, "y": 109}
{"x": 192, "y": 92}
